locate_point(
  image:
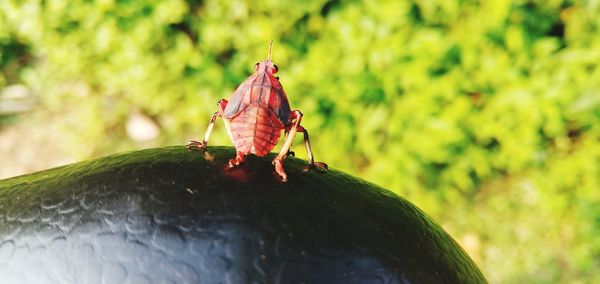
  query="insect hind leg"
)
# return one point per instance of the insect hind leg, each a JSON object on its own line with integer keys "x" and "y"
{"x": 278, "y": 161}
{"x": 285, "y": 150}
{"x": 311, "y": 161}
{"x": 239, "y": 158}
{"x": 290, "y": 153}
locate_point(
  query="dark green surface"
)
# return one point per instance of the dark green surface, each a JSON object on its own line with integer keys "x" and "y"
{"x": 136, "y": 210}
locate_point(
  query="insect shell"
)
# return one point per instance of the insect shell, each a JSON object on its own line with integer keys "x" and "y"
{"x": 258, "y": 110}
{"x": 255, "y": 116}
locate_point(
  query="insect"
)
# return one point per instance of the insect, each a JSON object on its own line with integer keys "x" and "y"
{"x": 255, "y": 116}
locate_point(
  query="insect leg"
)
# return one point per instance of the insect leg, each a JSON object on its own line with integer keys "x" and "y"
{"x": 311, "y": 160}
{"x": 239, "y": 158}
{"x": 195, "y": 145}
{"x": 296, "y": 117}
{"x": 290, "y": 153}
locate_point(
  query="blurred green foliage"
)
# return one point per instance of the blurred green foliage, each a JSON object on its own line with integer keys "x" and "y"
{"x": 486, "y": 114}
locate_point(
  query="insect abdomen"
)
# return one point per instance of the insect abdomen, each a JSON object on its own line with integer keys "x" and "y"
{"x": 254, "y": 131}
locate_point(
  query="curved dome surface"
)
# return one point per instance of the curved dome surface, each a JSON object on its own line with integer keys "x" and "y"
{"x": 168, "y": 215}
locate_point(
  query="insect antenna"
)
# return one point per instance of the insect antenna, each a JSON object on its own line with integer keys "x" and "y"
{"x": 270, "y": 48}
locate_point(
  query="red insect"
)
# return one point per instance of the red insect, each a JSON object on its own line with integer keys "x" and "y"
{"x": 255, "y": 116}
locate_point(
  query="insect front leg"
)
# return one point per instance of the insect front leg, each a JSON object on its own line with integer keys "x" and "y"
{"x": 195, "y": 145}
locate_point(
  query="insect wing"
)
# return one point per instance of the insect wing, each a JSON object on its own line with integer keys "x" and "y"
{"x": 235, "y": 105}
{"x": 254, "y": 91}
{"x": 279, "y": 104}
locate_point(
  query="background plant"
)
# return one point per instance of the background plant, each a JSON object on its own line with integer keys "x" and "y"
{"x": 483, "y": 113}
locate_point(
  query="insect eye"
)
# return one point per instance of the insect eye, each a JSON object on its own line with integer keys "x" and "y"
{"x": 256, "y": 66}
{"x": 275, "y": 68}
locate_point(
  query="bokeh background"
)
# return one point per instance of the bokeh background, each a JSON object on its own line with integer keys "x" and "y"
{"x": 486, "y": 114}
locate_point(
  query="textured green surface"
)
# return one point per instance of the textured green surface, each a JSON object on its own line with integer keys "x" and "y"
{"x": 170, "y": 203}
